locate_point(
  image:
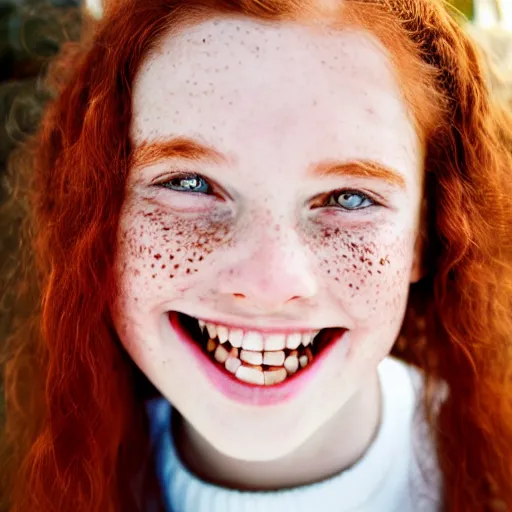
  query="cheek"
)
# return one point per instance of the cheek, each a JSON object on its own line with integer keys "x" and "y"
{"x": 159, "y": 250}
{"x": 368, "y": 270}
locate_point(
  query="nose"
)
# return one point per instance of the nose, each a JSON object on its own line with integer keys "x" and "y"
{"x": 272, "y": 277}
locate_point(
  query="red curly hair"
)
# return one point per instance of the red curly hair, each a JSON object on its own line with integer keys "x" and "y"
{"x": 76, "y": 436}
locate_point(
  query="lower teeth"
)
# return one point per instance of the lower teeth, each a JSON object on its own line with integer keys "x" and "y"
{"x": 234, "y": 361}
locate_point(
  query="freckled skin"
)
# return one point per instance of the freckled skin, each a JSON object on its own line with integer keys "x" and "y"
{"x": 167, "y": 237}
{"x": 370, "y": 278}
{"x": 258, "y": 252}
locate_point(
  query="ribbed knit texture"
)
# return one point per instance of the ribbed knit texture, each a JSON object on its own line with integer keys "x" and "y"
{"x": 386, "y": 479}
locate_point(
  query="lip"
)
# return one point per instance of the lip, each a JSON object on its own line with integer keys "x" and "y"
{"x": 242, "y": 392}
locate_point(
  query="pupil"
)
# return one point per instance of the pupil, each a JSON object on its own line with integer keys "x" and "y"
{"x": 190, "y": 183}
{"x": 350, "y": 200}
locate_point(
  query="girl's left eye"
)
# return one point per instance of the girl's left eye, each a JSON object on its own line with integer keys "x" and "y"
{"x": 188, "y": 183}
{"x": 350, "y": 200}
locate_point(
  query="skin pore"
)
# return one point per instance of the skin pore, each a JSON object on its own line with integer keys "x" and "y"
{"x": 285, "y": 226}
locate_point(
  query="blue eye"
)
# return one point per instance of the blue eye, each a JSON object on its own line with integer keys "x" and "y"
{"x": 188, "y": 183}
{"x": 350, "y": 200}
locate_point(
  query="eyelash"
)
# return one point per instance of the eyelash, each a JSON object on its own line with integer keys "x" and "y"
{"x": 326, "y": 200}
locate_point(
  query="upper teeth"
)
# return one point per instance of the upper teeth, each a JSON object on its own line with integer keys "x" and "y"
{"x": 257, "y": 341}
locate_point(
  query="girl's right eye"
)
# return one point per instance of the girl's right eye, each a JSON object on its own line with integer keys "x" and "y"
{"x": 191, "y": 183}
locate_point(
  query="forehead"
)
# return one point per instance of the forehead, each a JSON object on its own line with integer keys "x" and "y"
{"x": 248, "y": 87}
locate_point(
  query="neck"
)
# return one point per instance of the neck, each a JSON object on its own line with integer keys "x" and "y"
{"x": 334, "y": 447}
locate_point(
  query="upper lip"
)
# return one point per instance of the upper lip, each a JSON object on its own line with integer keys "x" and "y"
{"x": 265, "y": 326}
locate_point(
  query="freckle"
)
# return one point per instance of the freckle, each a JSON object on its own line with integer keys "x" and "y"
{"x": 195, "y": 270}
{"x": 201, "y": 258}
{"x": 177, "y": 265}
{"x": 188, "y": 271}
{"x": 354, "y": 267}
{"x": 171, "y": 275}
{"x": 152, "y": 265}
{"x": 345, "y": 256}
{"x": 171, "y": 257}
{"x": 350, "y": 285}
{"x": 178, "y": 250}
{"x": 337, "y": 279}
{"x": 163, "y": 266}
{"x": 153, "y": 276}
{"x": 190, "y": 260}
{"x": 157, "y": 256}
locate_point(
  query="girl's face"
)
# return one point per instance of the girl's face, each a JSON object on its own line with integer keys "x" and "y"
{"x": 275, "y": 195}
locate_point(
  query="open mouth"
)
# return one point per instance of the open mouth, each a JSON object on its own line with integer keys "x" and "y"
{"x": 256, "y": 357}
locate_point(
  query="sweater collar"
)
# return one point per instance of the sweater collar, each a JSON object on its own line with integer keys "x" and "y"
{"x": 349, "y": 490}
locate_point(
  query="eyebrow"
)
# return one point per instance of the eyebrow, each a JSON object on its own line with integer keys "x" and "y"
{"x": 360, "y": 169}
{"x": 149, "y": 153}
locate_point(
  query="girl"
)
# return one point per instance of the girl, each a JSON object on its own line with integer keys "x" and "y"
{"x": 266, "y": 266}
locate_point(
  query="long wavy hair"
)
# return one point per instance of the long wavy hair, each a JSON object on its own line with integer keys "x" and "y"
{"x": 76, "y": 437}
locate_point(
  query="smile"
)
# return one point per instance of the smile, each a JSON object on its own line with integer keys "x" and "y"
{"x": 259, "y": 358}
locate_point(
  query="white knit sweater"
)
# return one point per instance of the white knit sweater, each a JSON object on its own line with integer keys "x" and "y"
{"x": 387, "y": 479}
